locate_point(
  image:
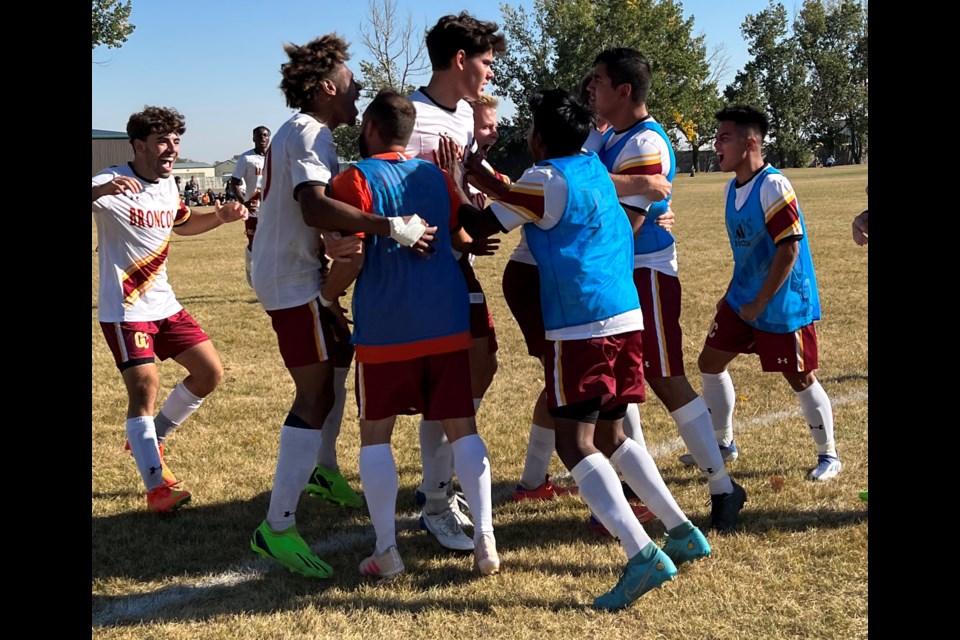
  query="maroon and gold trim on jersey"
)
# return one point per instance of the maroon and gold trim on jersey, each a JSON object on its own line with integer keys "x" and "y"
{"x": 782, "y": 218}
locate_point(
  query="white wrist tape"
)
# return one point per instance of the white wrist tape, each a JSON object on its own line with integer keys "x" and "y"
{"x": 407, "y": 233}
{"x": 324, "y": 301}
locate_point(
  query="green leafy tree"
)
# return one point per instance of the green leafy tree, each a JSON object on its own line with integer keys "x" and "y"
{"x": 833, "y": 40}
{"x": 348, "y": 147}
{"x": 555, "y": 44}
{"x": 780, "y": 74}
{"x": 111, "y": 25}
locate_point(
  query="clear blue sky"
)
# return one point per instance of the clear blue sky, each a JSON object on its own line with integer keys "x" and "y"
{"x": 218, "y": 61}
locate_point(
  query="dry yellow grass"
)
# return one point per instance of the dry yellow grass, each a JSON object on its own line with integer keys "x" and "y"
{"x": 796, "y": 569}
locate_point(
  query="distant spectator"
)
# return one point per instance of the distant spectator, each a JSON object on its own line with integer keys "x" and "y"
{"x": 830, "y": 161}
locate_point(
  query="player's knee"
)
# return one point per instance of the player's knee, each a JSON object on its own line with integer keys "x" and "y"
{"x": 208, "y": 378}
{"x": 706, "y": 364}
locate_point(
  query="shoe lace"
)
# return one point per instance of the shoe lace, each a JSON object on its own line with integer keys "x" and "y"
{"x": 456, "y": 499}
{"x": 447, "y": 523}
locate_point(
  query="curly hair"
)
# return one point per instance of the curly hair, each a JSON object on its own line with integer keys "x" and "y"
{"x": 453, "y": 33}
{"x": 309, "y": 65}
{"x": 160, "y": 120}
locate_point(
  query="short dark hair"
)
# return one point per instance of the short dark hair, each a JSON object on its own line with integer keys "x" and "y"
{"x": 453, "y": 33}
{"x": 393, "y": 116}
{"x": 257, "y": 130}
{"x": 160, "y": 120}
{"x": 747, "y": 116}
{"x": 310, "y": 65}
{"x": 628, "y": 66}
{"x": 562, "y": 123}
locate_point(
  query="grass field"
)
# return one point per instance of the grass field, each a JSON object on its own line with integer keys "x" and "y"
{"x": 797, "y": 568}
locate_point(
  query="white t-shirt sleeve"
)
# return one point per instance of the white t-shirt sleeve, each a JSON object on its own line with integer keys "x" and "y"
{"x": 309, "y": 154}
{"x": 240, "y": 168}
{"x": 640, "y": 153}
{"x": 538, "y": 197}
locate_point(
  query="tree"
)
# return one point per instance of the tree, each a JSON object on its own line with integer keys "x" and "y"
{"x": 833, "y": 39}
{"x": 110, "y": 23}
{"x": 555, "y": 45}
{"x": 348, "y": 146}
{"x": 779, "y": 75}
{"x": 397, "y": 56}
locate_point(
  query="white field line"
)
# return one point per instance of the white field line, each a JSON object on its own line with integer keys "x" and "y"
{"x": 137, "y": 607}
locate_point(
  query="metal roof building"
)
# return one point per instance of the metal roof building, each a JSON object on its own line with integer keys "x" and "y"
{"x": 110, "y": 148}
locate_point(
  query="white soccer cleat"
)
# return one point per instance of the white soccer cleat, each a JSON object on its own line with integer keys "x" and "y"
{"x": 384, "y": 565}
{"x": 729, "y": 454}
{"x": 827, "y": 468}
{"x": 485, "y": 557}
{"x": 445, "y": 527}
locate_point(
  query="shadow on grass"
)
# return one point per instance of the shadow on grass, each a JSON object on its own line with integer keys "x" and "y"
{"x": 208, "y": 546}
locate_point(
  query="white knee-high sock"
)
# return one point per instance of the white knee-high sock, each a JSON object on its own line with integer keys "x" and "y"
{"x": 180, "y": 404}
{"x": 142, "y": 436}
{"x": 436, "y": 456}
{"x": 720, "y": 397}
{"x": 641, "y": 473}
{"x": 295, "y": 461}
{"x": 631, "y": 424}
{"x": 816, "y": 408}
{"x": 696, "y": 430}
{"x": 378, "y": 473}
{"x": 473, "y": 470}
{"x": 331, "y": 426}
{"x": 539, "y": 451}
{"x": 600, "y": 488}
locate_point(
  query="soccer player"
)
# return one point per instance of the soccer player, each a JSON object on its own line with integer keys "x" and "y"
{"x": 582, "y": 243}
{"x": 772, "y": 300}
{"x": 409, "y": 362}
{"x": 521, "y": 291}
{"x": 300, "y": 163}
{"x": 461, "y": 50}
{"x": 636, "y": 144}
{"x": 247, "y": 178}
{"x": 136, "y": 207}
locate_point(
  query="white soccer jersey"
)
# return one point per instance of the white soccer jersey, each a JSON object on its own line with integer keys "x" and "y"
{"x": 286, "y": 255}
{"x": 646, "y": 150}
{"x": 133, "y": 238}
{"x": 434, "y": 120}
{"x": 594, "y": 141}
{"x": 249, "y": 171}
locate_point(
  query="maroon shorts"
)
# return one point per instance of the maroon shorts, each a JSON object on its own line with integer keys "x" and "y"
{"x": 437, "y": 386}
{"x": 521, "y": 289}
{"x": 784, "y": 352}
{"x": 608, "y": 368}
{"x": 308, "y": 334}
{"x": 249, "y": 228}
{"x": 662, "y": 336}
{"x": 481, "y": 321}
{"x": 135, "y": 343}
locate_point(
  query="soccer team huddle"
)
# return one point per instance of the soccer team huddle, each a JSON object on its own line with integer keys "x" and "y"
{"x": 593, "y": 285}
